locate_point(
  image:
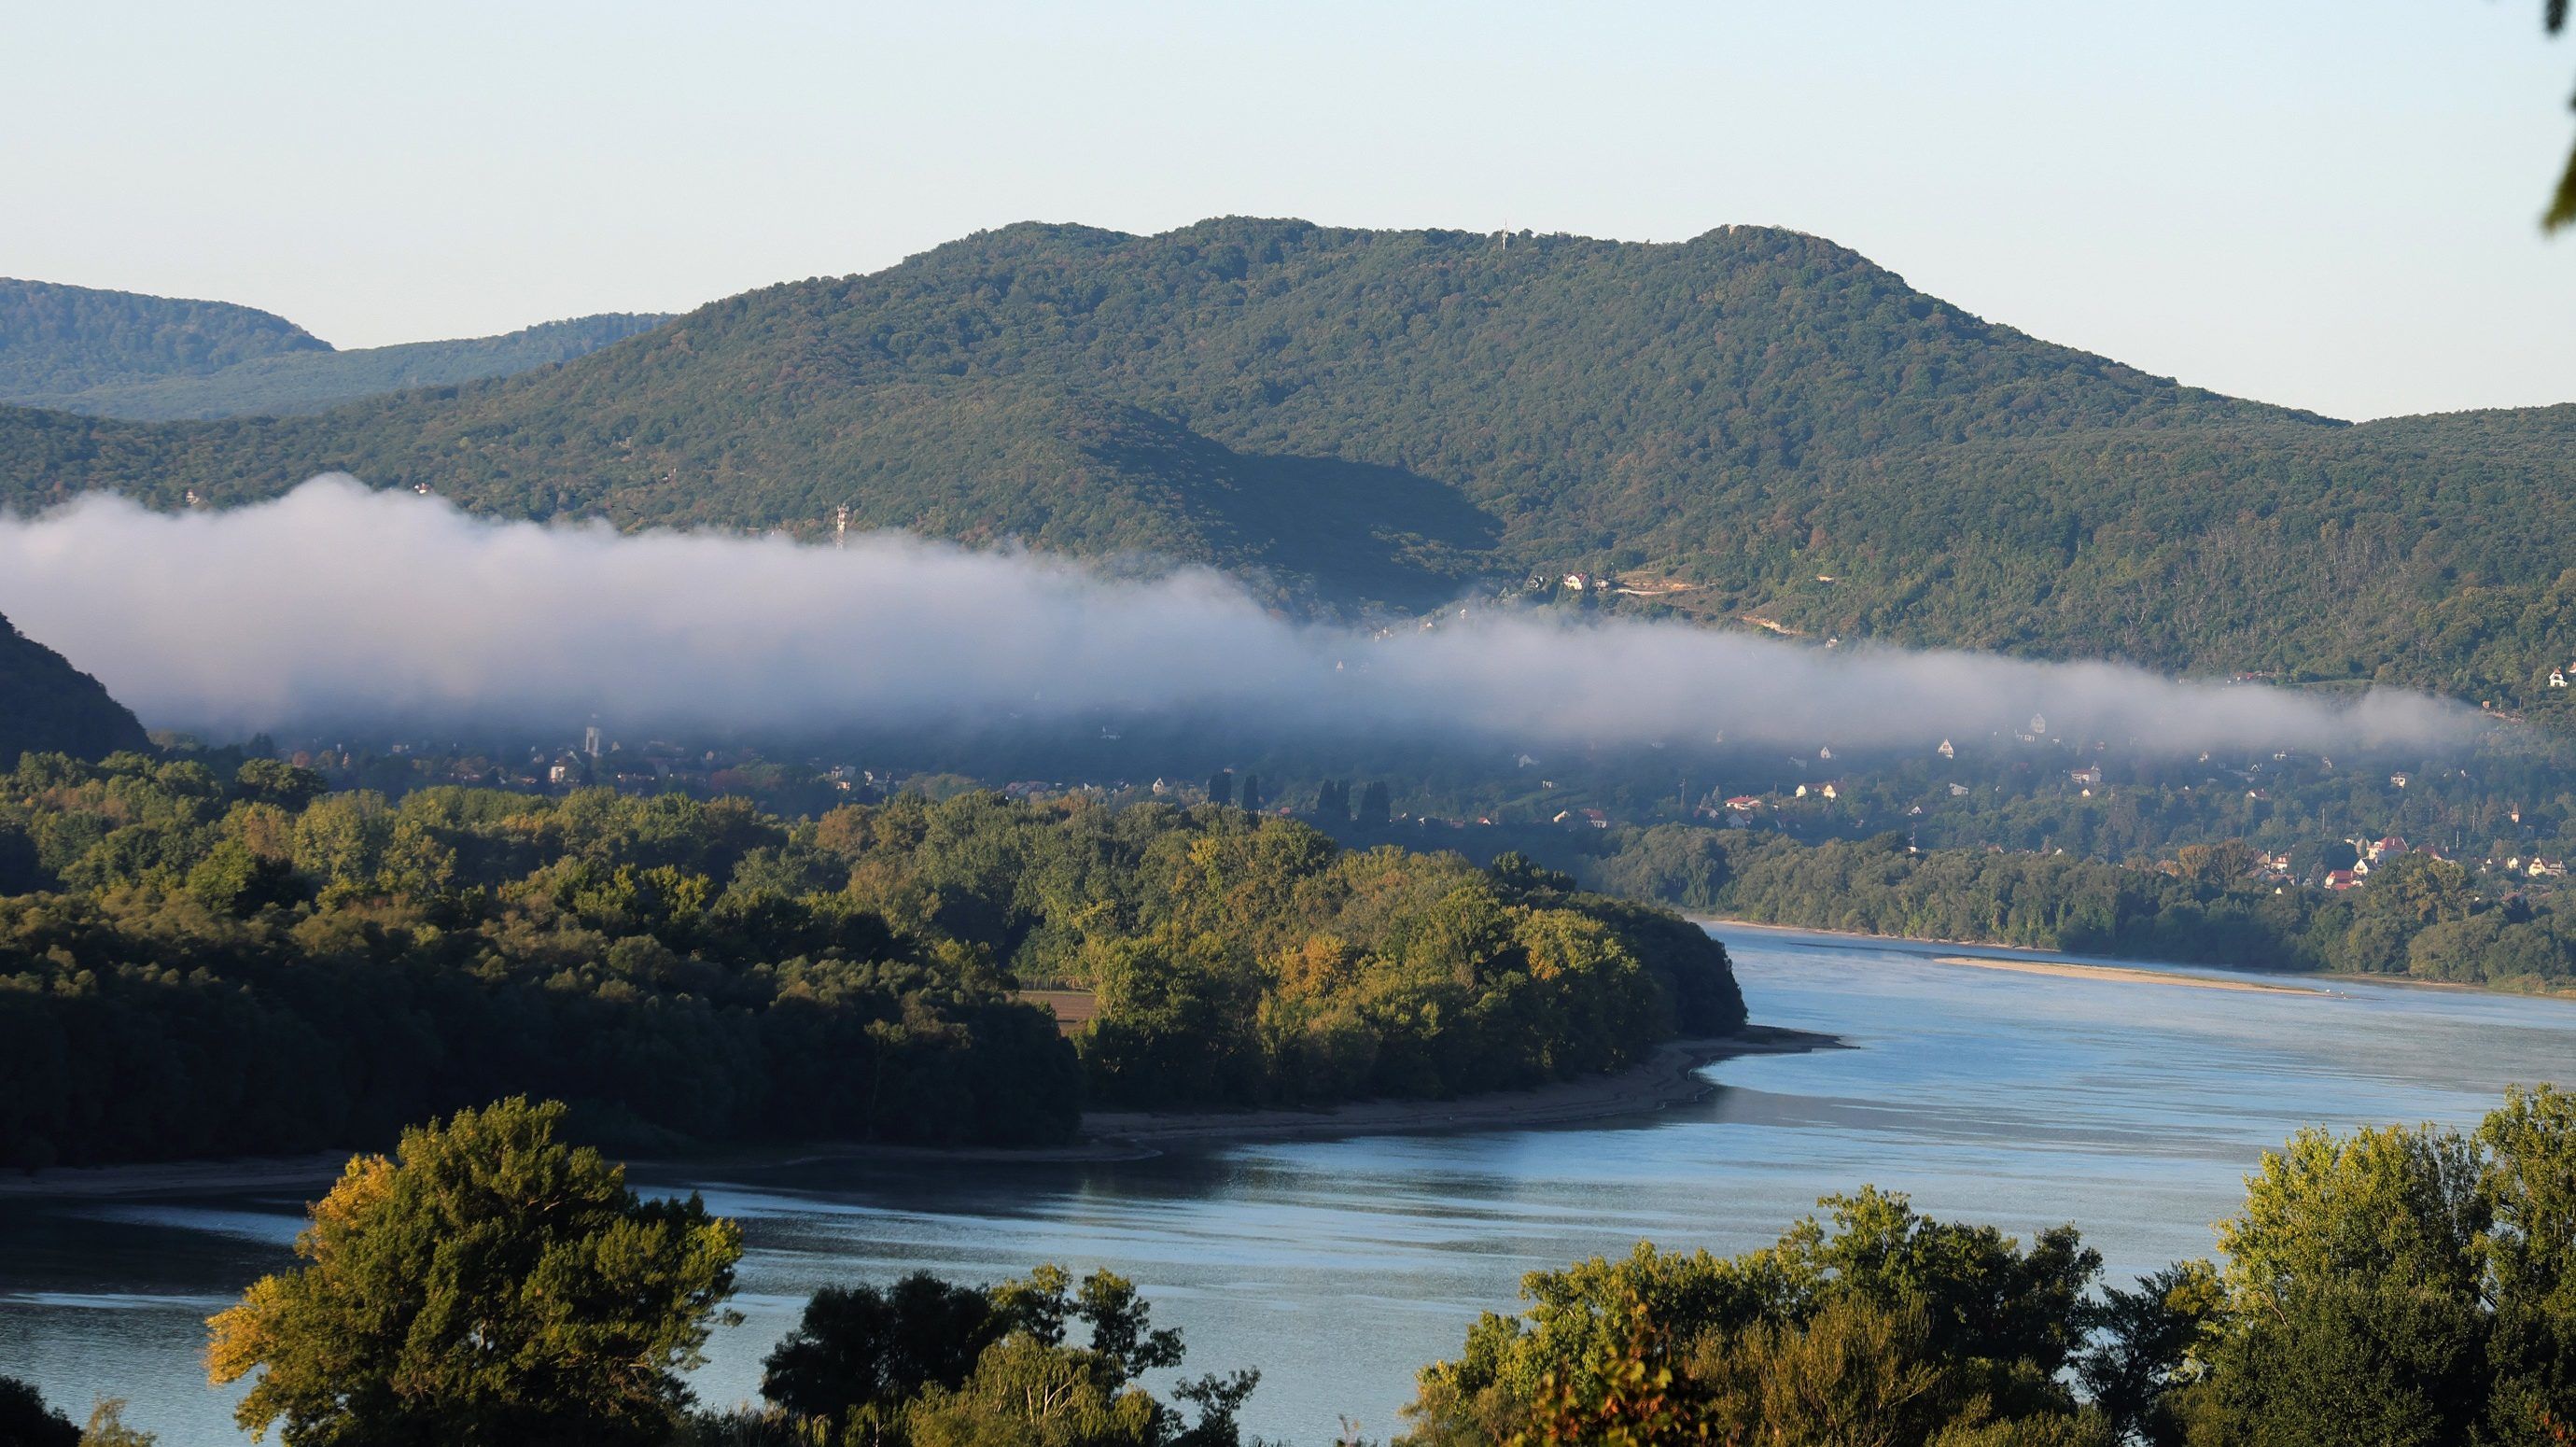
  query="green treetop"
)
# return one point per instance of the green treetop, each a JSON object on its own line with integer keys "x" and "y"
{"x": 488, "y": 1287}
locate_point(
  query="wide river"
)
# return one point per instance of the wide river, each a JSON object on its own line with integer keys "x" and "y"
{"x": 1338, "y": 1267}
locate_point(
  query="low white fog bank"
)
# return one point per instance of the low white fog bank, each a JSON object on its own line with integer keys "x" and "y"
{"x": 345, "y": 605}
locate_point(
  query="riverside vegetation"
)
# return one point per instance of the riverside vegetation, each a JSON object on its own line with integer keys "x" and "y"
{"x": 209, "y": 956}
{"x": 2415, "y": 916}
{"x": 2393, "y": 1287}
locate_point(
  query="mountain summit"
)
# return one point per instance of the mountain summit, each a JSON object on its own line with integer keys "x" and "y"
{"x": 1754, "y": 424}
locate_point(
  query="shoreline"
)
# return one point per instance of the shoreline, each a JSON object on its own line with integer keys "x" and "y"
{"x": 1668, "y": 1077}
{"x": 2122, "y": 974}
{"x": 168, "y": 1178}
{"x": 2161, "y": 970}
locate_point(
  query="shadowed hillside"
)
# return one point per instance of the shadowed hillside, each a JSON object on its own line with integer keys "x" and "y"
{"x": 48, "y": 706}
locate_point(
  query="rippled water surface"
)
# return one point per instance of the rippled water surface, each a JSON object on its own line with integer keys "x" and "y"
{"x": 1337, "y": 1267}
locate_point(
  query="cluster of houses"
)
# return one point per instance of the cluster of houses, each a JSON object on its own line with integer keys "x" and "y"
{"x": 2380, "y": 853}
{"x": 1756, "y": 803}
{"x": 2375, "y": 853}
{"x": 2085, "y": 779}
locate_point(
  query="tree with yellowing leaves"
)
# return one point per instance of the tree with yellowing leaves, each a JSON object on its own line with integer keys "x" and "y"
{"x": 487, "y": 1287}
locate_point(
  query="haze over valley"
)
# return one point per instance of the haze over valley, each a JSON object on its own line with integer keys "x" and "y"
{"x": 649, "y": 629}
{"x": 1215, "y": 726}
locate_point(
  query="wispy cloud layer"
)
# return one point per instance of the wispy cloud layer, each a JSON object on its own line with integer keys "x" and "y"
{"x": 344, "y": 605}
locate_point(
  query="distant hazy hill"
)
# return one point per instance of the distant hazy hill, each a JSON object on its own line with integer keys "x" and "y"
{"x": 46, "y": 705}
{"x": 64, "y": 339}
{"x": 1726, "y": 423}
{"x": 118, "y": 354}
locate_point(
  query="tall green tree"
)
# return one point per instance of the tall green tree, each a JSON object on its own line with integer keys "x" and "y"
{"x": 930, "y": 1364}
{"x": 1377, "y": 805}
{"x": 490, "y": 1286}
{"x": 862, "y": 1346}
{"x": 1035, "y": 1388}
{"x": 2400, "y": 1286}
{"x": 2145, "y": 1350}
{"x": 1875, "y": 1324}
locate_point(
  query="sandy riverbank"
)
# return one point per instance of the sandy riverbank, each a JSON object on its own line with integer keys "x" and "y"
{"x": 2120, "y": 973}
{"x": 1669, "y": 1077}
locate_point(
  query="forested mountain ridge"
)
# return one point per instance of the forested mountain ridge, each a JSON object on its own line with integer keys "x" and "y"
{"x": 1754, "y": 422}
{"x": 56, "y": 339}
{"x": 49, "y": 706}
{"x": 123, "y": 354}
{"x": 293, "y": 383}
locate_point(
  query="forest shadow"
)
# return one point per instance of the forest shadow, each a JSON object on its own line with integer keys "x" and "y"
{"x": 1364, "y": 532}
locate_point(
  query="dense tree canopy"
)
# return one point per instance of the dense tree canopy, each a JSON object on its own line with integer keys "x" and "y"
{"x": 213, "y": 972}
{"x": 199, "y": 963}
{"x": 861, "y": 1347}
{"x": 2390, "y": 1288}
{"x": 57, "y": 338}
{"x": 2415, "y": 915}
{"x": 930, "y": 1364}
{"x": 1885, "y": 1325}
{"x": 2403, "y": 1287}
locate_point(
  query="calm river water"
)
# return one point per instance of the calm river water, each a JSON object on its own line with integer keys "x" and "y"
{"x": 1337, "y": 1267}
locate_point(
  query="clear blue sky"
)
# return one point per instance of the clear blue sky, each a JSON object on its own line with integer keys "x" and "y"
{"x": 2325, "y": 204}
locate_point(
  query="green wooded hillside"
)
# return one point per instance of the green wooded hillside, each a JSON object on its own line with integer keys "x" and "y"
{"x": 292, "y": 383}
{"x": 1724, "y": 424}
{"x": 120, "y": 354}
{"x": 60, "y": 339}
{"x": 48, "y": 706}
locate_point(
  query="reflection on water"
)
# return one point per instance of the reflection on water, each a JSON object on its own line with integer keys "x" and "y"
{"x": 1337, "y": 1267}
